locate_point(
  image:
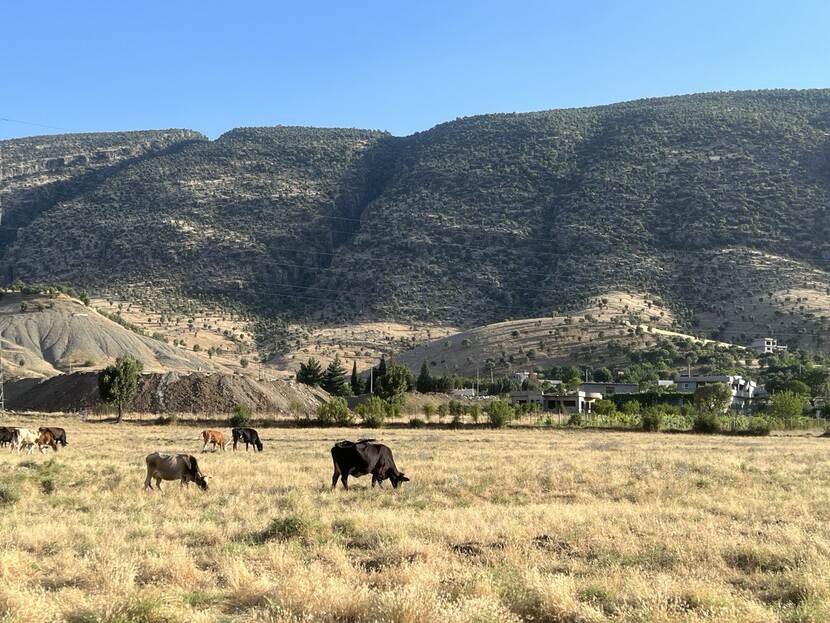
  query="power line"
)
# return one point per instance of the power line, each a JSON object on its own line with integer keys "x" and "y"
{"x": 37, "y": 125}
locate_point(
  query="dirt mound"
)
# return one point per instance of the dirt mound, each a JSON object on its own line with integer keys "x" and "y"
{"x": 164, "y": 393}
{"x": 44, "y": 336}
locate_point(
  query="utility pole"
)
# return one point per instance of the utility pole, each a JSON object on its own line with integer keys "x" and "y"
{"x": 476, "y": 382}
{"x": 2, "y": 382}
{"x": 371, "y": 378}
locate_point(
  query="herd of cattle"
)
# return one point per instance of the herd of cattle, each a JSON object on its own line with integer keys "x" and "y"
{"x": 350, "y": 458}
{"x": 24, "y": 439}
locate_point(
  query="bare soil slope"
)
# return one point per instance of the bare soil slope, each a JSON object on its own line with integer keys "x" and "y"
{"x": 44, "y": 336}
{"x": 165, "y": 393}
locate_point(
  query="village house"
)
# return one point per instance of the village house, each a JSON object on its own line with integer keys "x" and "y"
{"x": 767, "y": 345}
{"x": 743, "y": 390}
{"x": 573, "y": 402}
{"x": 609, "y": 389}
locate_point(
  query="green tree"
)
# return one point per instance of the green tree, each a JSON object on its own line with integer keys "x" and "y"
{"x": 603, "y": 375}
{"x": 381, "y": 369}
{"x": 355, "y": 382}
{"x": 118, "y": 383}
{"x": 334, "y": 379}
{"x": 393, "y": 383}
{"x": 797, "y": 387}
{"x": 310, "y": 372}
{"x": 424, "y": 382}
{"x": 787, "y": 406}
{"x": 714, "y": 398}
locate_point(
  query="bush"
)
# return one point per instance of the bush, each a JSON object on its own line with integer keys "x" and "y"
{"x": 8, "y": 495}
{"x": 335, "y": 412}
{"x": 429, "y": 411}
{"x": 241, "y": 416}
{"x": 416, "y": 423}
{"x": 500, "y": 413}
{"x": 759, "y": 426}
{"x": 168, "y": 420}
{"x": 575, "y": 419}
{"x": 651, "y": 420}
{"x": 706, "y": 422}
{"x": 285, "y": 528}
{"x": 373, "y": 412}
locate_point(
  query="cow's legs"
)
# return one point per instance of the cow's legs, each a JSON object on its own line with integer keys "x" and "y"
{"x": 234, "y": 445}
{"x": 147, "y": 482}
{"x": 204, "y": 447}
{"x": 344, "y": 478}
{"x": 158, "y": 484}
{"x": 334, "y": 479}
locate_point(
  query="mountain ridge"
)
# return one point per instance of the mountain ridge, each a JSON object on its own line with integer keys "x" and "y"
{"x": 708, "y": 201}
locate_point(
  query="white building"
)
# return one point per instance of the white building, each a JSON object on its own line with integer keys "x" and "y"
{"x": 743, "y": 390}
{"x": 573, "y": 402}
{"x": 766, "y": 345}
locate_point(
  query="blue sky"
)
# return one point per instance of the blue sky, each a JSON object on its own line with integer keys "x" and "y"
{"x": 392, "y": 65}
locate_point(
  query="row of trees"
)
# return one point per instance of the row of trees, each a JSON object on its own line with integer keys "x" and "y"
{"x": 389, "y": 382}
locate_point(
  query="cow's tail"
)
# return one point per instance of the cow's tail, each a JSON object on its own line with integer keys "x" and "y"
{"x": 334, "y": 460}
{"x": 194, "y": 466}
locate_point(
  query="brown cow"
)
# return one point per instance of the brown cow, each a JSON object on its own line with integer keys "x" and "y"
{"x": 45, "y": 439}
{"x": 214, "y": 437}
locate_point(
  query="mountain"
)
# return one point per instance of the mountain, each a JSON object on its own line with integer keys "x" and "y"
{"x": 717, "y": 204}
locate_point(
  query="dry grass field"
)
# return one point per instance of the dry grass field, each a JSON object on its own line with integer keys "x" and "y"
{"x": 514, "y": 525}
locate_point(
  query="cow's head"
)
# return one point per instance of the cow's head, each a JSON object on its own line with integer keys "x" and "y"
{"x": 201, "y": 481}
{"x": 258, "y": 445}
{"x": 398, "y": 479}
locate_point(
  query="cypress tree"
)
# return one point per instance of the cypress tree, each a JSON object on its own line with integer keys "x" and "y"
{"x": 356, "y": 383}
{"x": 424, "y": 382}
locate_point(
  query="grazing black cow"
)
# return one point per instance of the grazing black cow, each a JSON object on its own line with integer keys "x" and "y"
{"x": 6, "y": 435}
{"x": 58, "y": 433}
{"x": 246, "y": 436}
{"x": 364, "y": 457}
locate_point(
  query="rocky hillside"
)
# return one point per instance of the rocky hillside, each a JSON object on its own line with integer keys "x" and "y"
{"x": 716, "y": 203}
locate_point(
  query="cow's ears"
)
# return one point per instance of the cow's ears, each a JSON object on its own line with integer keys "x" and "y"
{"x": 403, "y": 478}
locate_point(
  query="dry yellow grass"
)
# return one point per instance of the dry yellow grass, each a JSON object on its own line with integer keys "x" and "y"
{"x": 495, "y": 526}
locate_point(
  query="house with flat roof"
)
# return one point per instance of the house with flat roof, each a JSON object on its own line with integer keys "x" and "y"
{"x": 573, "y": 402}
{"x": 609, "y": 389}
{"x": 743, "y": 390}
{"x": 767, "y": 345}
